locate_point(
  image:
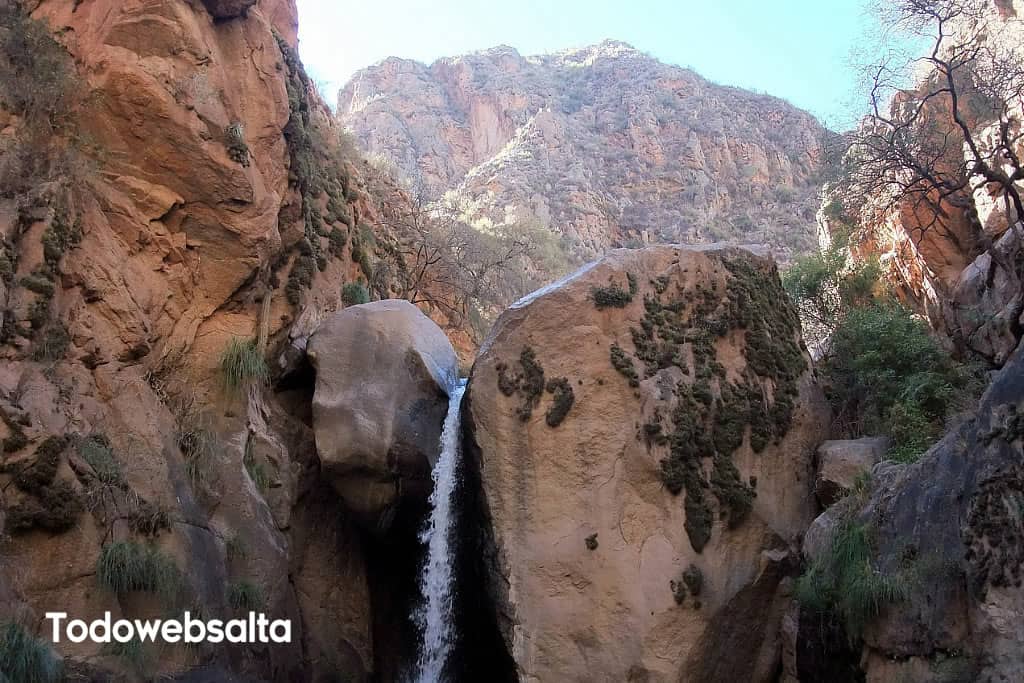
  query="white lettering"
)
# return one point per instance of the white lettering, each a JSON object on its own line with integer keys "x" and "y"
{"x": 56, "y": 617}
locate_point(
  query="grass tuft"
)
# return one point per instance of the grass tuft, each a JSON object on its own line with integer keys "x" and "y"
{"x": 845, "y": 582}
{"x": 126, "y": 567}
{"x": 245, "y": 596}
{"x": 242, "y": 365}
{"x": 24, "y": 659}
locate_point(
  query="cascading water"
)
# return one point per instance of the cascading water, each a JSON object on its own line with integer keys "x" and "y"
{"x": 434, "y": 616}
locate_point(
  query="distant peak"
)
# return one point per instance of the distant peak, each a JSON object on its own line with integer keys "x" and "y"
{"x": 607, "y": 49}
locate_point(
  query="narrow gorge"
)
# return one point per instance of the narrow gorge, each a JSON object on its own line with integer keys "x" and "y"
{"x": 564, "y": 367}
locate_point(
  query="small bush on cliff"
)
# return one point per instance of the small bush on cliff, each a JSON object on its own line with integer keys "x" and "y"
{"x": 245, "y": 596}
{"x": 886, "y": 374}
{"x": 95, "y": 450}
{"x": 354, "y": 293}
{"x": 37, "y": 75}
{"x": 24, "y": 659}
{"x": 242, "y": 365}
{"x": 844, "y": 582}
{"x": 126, "y": 567}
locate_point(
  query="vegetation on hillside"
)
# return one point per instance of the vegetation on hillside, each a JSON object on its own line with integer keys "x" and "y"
{"x": 884, "y": 372}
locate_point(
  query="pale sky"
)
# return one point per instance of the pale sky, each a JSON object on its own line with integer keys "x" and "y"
{"x": 795, "y": 49}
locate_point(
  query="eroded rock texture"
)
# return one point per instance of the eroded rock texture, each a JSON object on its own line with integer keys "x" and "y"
{"x": 644, "y": 431}
{"x": 605, "y": 144}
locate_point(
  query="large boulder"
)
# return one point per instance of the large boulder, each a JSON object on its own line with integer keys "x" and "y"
{"x": 382, "y": 375}
{"x": 644, "y": 433}
{"x": 841, "y": 462}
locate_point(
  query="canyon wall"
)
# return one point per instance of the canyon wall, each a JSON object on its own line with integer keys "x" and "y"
{"x": 605, "y": 145}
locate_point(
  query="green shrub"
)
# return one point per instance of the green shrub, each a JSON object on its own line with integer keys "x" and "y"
{"x": 562, "y": 402}
{"x": 257, "y": 472}
{"x": 242, "y": 365}
{"x": 611, "y": 296}
{"x": 126, "y": 566}
{"x": 37, "y": 77}
{"x": 95, "y": 450}
{"x": 886, "y": 373}
{"x": 354, "y": 293}
{"x": 844, "y": 581}
{"x": 23, "y": 659}
{"x": 198, "y": 445}
{"x": 53, "y": 344}
{"x": 54, "y": 508}
{"x": 245, "y": 596}
{"x": 43, "y": 468}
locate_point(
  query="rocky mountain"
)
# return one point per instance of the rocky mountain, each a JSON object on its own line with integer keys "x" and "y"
{"x": 606, "y": 145}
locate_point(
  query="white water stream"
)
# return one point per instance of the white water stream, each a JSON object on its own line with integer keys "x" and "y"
{"x": 434, "y": 615}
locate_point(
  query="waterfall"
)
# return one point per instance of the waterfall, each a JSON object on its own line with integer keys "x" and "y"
{"x": 434, "y": 615}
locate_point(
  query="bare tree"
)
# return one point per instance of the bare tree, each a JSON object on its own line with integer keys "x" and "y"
{"x": 923, "y": 146}
{"x": 467, "y": 272}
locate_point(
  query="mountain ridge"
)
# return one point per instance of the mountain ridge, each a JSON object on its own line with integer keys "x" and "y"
{"x": 604, "y": 144}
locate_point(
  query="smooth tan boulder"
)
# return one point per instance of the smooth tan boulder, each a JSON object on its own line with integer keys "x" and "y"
{"x": 644, "y": 431}
{"x": 382, "y": 374}
{"x": 841, "y": 462}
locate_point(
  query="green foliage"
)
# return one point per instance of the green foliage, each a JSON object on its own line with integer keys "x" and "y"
{"x": 257, "y": 472}
{"x": 37, "y": 75}
{"x": 886, "y": 373}
{"x": 198, "y": 445}
{"x": 614, "y": 296}
{"x": 126, "y": 566}
{"x": 591, "y": 542}
{"x": 529, "y": 382}
{"x": 844, "y": 581}
{"x": 690, "y": 583}
{"x": 354, "y": 293}
{"x": 826, "y": 284}
{"x": 43, "y": 286}
{"x": 95, "y": 449}
{"x": 53, "y": 344}
{"x": 624, "y": 365}
{"x": 242, "y": 365}
{"x": 563, "y": 400}
{"x": 23, "y": 659}
{"x": 245, "y": 596}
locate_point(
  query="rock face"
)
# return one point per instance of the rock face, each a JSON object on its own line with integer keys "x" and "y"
{"x": 197, "y": 214}
{"x": 228, "y": 9}
{"x": 952, "y": 522}
{"x": 605, "y": 144}
{"x": 644, "y": 432}
{"x": 841, "y": 462}
{"x": 382, "y": 375}
{"x": 962, "y": 267}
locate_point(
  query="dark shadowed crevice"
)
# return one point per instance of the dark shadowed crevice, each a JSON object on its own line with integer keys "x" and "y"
{"x": 480, "y": 652}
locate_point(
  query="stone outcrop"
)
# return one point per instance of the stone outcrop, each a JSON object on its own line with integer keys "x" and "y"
{"x": 959, "y": 266}
{"x": 383, "y": 371}
{"x": 644, "y": 432}
{"x": 198, "y": 213}
{"x": 950, "y": 526}
{"x": 841, "y": 462}
{"x": 604, "y": 144}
